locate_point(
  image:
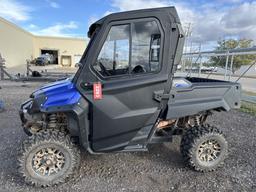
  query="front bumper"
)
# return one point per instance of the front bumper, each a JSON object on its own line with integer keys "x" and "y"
{"x": 24, "y": 110}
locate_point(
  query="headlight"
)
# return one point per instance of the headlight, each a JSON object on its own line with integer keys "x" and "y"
{"x": 27, "y": 105}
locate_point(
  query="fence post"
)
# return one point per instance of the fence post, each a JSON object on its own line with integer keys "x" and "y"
{"x": 231, "y": 67}
{"x": 200, "y": 67}
{"x": 27, "y": 68}
{"x": 2, "y": 63}
{"x": 226, "y": 66}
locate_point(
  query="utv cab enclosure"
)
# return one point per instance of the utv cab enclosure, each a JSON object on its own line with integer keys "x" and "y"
{"x": 123, "y": 97}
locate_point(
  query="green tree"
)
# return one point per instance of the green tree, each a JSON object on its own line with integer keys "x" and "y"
{"x": 239, "y": 60}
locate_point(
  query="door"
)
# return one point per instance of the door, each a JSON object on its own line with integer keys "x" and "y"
{"x": 128, "y": 58}
{"x": 53, "y": 55}
{"x": 66, "y": 60}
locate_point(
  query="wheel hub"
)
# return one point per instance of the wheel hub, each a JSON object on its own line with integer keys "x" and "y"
{"x": 48, "y": 161}
{"x": 209, "y": 151}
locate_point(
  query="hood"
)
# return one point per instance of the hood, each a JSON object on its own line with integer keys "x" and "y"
{"x": 55, "y": 84}
{"x": 57, "y": 94}
{"x": 52, "y": 86}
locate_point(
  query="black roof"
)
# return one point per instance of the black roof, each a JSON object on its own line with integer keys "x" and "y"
{"x": 130, "y": 14}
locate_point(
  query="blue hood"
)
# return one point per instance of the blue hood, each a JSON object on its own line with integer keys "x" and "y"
{"x": 60, "y": 93}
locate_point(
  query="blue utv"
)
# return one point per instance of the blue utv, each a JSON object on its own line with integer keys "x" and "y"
{"x": 123, "y": 98}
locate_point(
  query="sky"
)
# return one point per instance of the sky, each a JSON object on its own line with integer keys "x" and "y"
{"x": 210, "y": 21}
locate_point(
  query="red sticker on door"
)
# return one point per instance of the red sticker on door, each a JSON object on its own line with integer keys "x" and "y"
{"x": 97, "y": 91}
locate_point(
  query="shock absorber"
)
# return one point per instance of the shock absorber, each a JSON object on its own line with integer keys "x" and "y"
{"x": 52, "y": 121}
{"x": 197, "y": 120}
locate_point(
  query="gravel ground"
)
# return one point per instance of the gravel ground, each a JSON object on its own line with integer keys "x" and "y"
{"x": 160, "y": 169}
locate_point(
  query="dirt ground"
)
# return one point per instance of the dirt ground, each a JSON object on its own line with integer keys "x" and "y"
{"x": 160, "y": 169}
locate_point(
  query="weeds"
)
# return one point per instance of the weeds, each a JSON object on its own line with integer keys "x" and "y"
{"x": 248, "y": 107}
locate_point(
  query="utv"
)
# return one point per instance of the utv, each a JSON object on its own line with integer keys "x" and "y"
{"x": 124, "y": 97}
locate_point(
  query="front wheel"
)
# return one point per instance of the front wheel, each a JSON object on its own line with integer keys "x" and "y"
{"x": 48, "y": 158}
{"x": 204, "y": 148}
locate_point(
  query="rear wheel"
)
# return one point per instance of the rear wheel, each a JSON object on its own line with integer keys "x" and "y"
{"x": 48, "y": 158}
{"x": 204, "y": 148}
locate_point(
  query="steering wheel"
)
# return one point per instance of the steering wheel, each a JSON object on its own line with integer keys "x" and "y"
{"x": 103, "y": 69}
{"x": 138, "y": 69}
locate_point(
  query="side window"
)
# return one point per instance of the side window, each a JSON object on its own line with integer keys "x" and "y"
{"x": 114, "y": 55}
{"x": 146, "y": 38}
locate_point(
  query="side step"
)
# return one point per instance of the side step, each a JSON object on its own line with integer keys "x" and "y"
{"x": 133, "y": 148}
{"x": 160, "y": 139}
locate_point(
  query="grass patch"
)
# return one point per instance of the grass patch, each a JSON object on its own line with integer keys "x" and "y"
{"x": 248, "y": 107}
{"x": 249, "y": 93}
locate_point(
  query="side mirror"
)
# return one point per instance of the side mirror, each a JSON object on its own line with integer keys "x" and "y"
{"x": 78, "y": 65}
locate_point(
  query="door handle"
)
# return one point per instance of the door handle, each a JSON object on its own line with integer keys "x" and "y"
{"x": 88, "y": 85}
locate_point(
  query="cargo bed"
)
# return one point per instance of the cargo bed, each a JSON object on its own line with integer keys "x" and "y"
{"x": 192, "y": 95}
